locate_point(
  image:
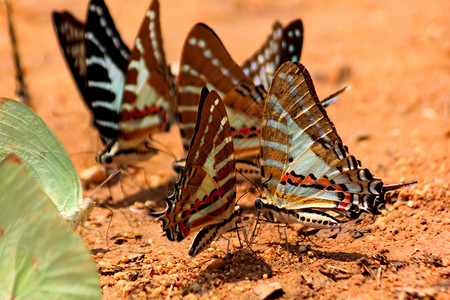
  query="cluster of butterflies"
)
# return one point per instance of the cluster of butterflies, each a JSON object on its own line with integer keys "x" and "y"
{"x": 259, "y": 121}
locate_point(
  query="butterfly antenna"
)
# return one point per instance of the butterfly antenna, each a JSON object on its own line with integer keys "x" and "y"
{"x": 21, "y": 89}
{"x": 167, "y": 150}
{"x": 114, "y": 173}
{"x": 255, "y": 186}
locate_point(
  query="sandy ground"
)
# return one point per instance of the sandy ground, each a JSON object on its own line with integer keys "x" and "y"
{"x": 395, "y": 119}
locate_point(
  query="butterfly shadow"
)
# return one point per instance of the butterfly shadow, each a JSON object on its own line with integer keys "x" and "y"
{"x": 218, "y": 272}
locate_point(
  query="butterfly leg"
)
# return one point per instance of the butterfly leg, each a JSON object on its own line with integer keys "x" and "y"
{"x": 256, "y": 229}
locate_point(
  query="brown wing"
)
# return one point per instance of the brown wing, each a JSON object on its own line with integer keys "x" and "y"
{"x": 148, "y": 96}
{"x": 205, "y": 192}
{"x": 206, "y": 63}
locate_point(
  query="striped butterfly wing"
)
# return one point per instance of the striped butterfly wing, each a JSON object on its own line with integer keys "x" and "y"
{"x": 204, "y": 197}
{"x": 283, "y": 44}
{"x": 70, "y": 33}
{"x": 206, "y": 63}
{"x": 106, "y": 63}
{"x": 305, "y": 164}
{"x": 149, "y": 95}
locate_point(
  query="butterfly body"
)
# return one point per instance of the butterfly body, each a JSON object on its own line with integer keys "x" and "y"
{"x": 205, "y": 198}
{"x": 308, "y": 173}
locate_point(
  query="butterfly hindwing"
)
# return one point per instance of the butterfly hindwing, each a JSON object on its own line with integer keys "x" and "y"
{"x": 204, "y": 197}
{"x": 107, "y": 61}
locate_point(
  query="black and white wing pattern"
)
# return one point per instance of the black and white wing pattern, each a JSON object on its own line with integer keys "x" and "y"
{"x": 106, "y": 62}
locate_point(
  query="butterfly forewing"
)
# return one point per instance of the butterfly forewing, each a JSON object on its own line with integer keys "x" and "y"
{"x": 206, "y": 63}
{"x": 106, "y": 61}
{"x": 312, "y": 166}
{"x": 147, "y": 97}
{"x": 263, "y": 64}
{"x": 283, "y": 44}
{"x": 205, "y": 192}
{"x": 292, "y": 42}
{"x": 70, "y": 33}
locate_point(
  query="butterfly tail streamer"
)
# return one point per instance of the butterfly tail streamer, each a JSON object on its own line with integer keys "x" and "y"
{"x": 392, "y": 187}
{"x": 334, "y": 97}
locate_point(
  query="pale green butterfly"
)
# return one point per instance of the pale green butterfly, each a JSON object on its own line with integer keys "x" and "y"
{"x": 24, "y": 133}
{"x": 41, "y": 257}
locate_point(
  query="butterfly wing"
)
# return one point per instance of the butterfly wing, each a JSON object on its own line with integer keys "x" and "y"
{"x": 25, "y": 134}
{"x": 40, "y": 256}
{"x": 70, "y": 33}
{"x": 303, "y": 158}
{"x": 106, "y": 64}
{"x": 283, "y": 44}
{"x": 263, "y": 63}
{"x": 205, "y": 193}
{"x": 206, "y": 63}
{"x": 148, "y": 97}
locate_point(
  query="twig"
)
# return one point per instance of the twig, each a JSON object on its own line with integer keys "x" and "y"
{"x": 21, "y": 89}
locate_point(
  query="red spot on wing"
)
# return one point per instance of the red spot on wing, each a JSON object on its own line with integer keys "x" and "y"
{"x": 245, "y": 131}
{"x": 208, "y": 199}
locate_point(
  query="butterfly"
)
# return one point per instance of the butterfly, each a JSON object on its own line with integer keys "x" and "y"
{"x": 144, "y": 97}
{"x": 25, "y": 134}
{"x": 283, "y": 44}
{"x": 205, "y": 196}
{"x": 310, "y": 177}
{"x": 40, "y": 256}
{"x": 206, "y": 63}
{"x": 131, "y": 94}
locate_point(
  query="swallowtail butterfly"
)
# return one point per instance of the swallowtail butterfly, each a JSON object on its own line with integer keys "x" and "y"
{"x": 206, "y": 62}
{"x": 310, "y": 177}
{"x": 204, "y": 197}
